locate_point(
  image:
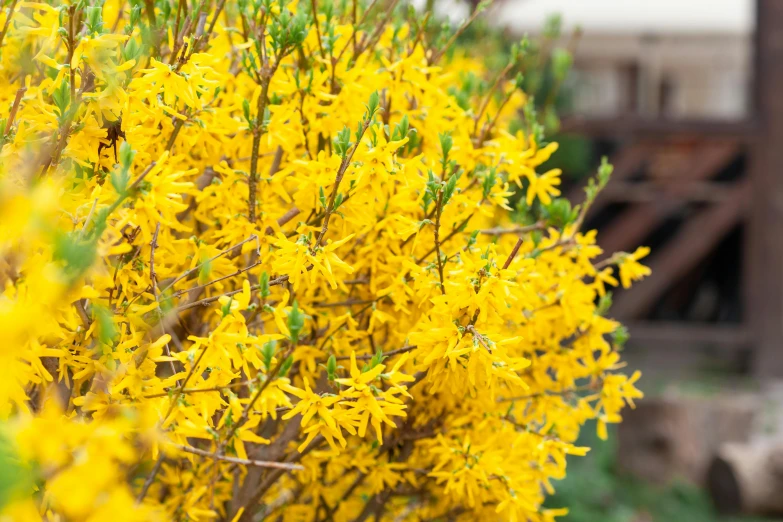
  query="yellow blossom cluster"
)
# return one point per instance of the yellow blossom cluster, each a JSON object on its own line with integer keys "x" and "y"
{"x": 290, "y": 261}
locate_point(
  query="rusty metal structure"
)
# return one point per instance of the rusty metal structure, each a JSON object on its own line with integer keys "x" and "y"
{"x": 691, "y": 186}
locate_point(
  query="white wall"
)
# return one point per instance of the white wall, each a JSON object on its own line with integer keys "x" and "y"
{"x": 733, "y": 16}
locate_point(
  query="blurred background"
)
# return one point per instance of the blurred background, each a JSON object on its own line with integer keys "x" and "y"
{"x": 685, "y": 97}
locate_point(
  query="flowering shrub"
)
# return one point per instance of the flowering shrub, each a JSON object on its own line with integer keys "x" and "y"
{"x": 261, "y": 264}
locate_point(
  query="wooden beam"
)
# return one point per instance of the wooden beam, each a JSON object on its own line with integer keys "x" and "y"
{"x": 692, "y": 242}
{"x": 633, "y": 127}
{"x": 765, "y": 262}
{"x": 626, "y": 162}
{"x": 632, "y": 226}
{"x": 667, "y": 334}
{"x": 651, "y": 192}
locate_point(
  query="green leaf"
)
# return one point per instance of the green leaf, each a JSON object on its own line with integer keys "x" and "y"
{"x": 489, "y": 182}
{"x": 204, "y": 271}
{"x": 246, "y": 112}
{"x": 372, "y": 106}
{"x": 561, "y": 63}
{"x": 76, "y": 253}
{"x": 265, "y": 291}
{"x": 268, "y": 353}
{"x": 401, "y": 129}
{"x": 119, "y": 180}
{"x": 331, "y": 367}
{"x": 15, "y": 477}
{"x": 62, "y": 98}
{"x": 226, "y": 308}
{"x": 286, "y": 366}
{"x": 94, "y": 20}
{"x": 342, "y": 143}
{"x": 559, "y": 212}
{"x": 295, "y": 322}
{"x": 620, "y": 336}
{"x": 322, "y": 197}
{"x": 604, "y": 303}
{"x": 446, "y": 143}
{"x": 376, "y": 359}
{"x": 448, "y": 191}
{"x": 107, "y": 332}
{"x": 127, "y": 154}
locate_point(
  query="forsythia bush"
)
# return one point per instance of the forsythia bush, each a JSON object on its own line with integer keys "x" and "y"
{"x": 258, "y": 263}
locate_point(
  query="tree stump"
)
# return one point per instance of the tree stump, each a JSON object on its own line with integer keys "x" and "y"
{"x": 747, "y": 478}
{"x": 676, "y": 436}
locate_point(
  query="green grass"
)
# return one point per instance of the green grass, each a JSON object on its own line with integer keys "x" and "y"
{"x": 593, "y": 492}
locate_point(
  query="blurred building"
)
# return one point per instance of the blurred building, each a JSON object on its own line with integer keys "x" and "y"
{"x": 662, "y": 58}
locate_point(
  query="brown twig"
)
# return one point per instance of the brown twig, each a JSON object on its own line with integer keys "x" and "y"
{"x": 345, "y": 303}
{"x": 485, "y": 103}
{"x": 186, "y": 391}
{"x": 266, "y": 77}
{"x": 154, "y": 286}
{"x": 546, "y": 393}
{"x": 499, "y": 231}
{"x": 242, "y": 462}
{"x": 275, "y": 475}
{"x": 314, "y": 5}
{"x": 187, "y": 273}
{"x": 480, "y": 338}
{"x": 150, "y": 478}
{"x": 456, "y": 230}
{"x": 438, "y": 54}
{"x": 438, "y": 212}
{"x": 212, "y": 282}
{"x": 15, "y": 107}
{"x": 7, "y": 24}
{"x": 338, "y": 179}
{"x": 391, "y": 353}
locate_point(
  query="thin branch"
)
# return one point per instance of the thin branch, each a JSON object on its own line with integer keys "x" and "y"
{"x": 216, "y": 256}
{"x": 345, "y": 303}
{"x": 375, "y": 35}
{"x": 546, "y": 393}
{"x": 391, "y": 353}
{"x": 438, "y": 212}
{"x": 219, "y": 279}
{"x": 199, "y": 390}
{"x": 7, "y": 24}
{"x": 456, "y": 230}
{"x": 499, "y": 231}
{"x": 485, "y": 103}
{"x": 257, "y": 132}
{"x": 154, "y": 286}
{"x": 274, "y": 476}
{"x": 513, "y": 253}
{"x": 150, "y": 478}
{"x": 480, "y": 338}
{"x": 438, "y": 54}
{"x": 184, "y": 383}
{"x": 285, "y": 218}
{"x": 17, "y": 100}
{"x": 338, "y": 179}
{"x": 242, "y": 462}
{"x": 270, "y": 376}
{"x": 209, "y": 300}
{"x": 314, "y": 5}
{"x": 88, "y": 218}
{"x": 614, "y": 259}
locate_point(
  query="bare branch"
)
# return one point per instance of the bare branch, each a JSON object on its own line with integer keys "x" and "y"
{"x": 242, "y": 462}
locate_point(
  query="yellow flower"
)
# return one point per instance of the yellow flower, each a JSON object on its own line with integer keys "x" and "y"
{"x": 543, "y": 186}
{"x": 251, "y": 240}
{"x": 631, "y": 269}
